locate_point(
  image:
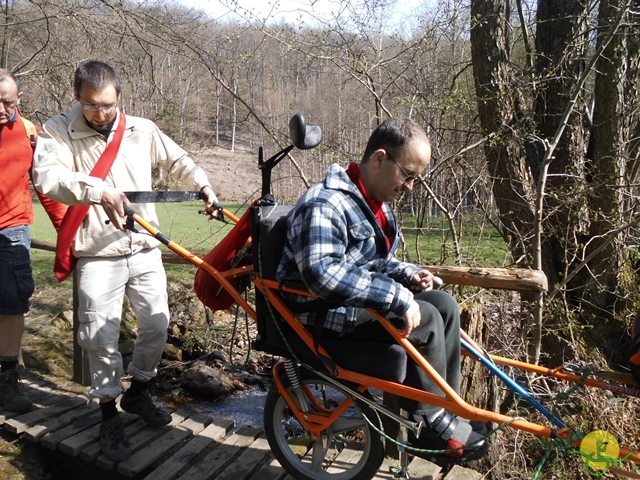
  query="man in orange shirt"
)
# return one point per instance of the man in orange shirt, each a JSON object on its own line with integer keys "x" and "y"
{"x": 16, "y": 214}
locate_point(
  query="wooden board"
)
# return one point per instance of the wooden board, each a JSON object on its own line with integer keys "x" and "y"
{"x": 185, "y": 455}
{"x": 192, "y": 447}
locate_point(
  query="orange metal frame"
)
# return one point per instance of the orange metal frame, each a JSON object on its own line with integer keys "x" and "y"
{"x": 316, "y": 422}
{"x": 451, "y": 401}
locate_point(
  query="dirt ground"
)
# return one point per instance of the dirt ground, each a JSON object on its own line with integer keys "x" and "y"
{"x": 235, "y": 175}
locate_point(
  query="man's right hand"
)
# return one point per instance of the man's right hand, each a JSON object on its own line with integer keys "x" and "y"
{"x": 411, "y": 319}
{"x": 112, "y": 201}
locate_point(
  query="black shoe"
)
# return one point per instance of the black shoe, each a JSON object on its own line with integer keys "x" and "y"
{"x": 112, "y": 442}
{"x": 11, "y": 396}
{"x": 141, "y": 404}
{"x": 438, "y": 444}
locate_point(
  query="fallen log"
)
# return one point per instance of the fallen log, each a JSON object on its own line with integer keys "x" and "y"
{"x": 519, "y": 279}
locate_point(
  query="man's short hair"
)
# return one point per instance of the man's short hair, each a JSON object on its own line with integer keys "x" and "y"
{"x": 7, "y": 74}
{"x": 392, "y": 134}
{"x": 97, "y": 75}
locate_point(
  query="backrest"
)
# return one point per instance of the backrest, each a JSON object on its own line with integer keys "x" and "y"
{"x": 269, "y": 233}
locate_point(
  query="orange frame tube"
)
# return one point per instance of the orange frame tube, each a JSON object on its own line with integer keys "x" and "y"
{"x": 451, "y": 401}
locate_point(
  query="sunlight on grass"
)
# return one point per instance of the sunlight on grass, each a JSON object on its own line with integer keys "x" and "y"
{"x": 481, "y": 245}
{"x": 178, "y": 221}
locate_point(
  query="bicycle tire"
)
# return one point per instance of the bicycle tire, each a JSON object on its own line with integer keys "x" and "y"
{"x": 354, "y": 450}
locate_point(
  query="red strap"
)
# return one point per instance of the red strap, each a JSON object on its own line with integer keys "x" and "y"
{"x": 64, "y": 261}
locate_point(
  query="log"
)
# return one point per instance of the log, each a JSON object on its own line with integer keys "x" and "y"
{"x": 40, "y": 245}
{"x": 167, "y": 257}
{"x": 519, "y": 279}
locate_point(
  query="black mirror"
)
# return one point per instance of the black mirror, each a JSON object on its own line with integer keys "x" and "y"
{"x": 304, "y": 136}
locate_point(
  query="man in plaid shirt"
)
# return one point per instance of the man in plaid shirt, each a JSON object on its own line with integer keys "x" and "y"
{"x": 341, "y": 240}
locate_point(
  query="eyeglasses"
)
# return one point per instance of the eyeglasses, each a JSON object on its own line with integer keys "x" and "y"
{"x": 92, "y": 107}
{"x": 409, "y": 177}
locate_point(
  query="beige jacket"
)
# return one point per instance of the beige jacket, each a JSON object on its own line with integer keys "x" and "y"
{"x": 67, "y": 151}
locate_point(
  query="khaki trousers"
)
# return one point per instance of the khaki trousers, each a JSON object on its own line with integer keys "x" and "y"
{"x": 102, "y": 284}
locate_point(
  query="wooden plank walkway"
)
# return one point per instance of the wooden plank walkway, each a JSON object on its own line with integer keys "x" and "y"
{"x": 192, "y": 447}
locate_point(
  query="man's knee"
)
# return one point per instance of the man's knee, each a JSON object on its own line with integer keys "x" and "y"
{"x": 444, "y": 303}
{"x": 96, "y": 333}
{"x": 153, "y": 331}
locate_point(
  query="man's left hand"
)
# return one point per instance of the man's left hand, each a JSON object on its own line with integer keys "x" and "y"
{"x": 422, "y": 281}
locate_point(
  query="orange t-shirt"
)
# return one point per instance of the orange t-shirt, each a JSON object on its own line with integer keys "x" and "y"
{"x": 15, "y": 162}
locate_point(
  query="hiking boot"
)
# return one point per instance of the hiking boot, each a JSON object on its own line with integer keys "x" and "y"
{"x": 11, "y": 396}
{"x": 112, "y": 442}
{"x": 141, "y": 404}
{"x": 447, "y": 439}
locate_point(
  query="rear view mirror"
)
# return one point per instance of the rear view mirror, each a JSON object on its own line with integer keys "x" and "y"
{"x": 304, "y": 136}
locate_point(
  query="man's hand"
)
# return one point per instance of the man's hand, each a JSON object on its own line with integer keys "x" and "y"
{"x": 422, "y": 281}
{"x": 112, "y": 201}
{"x": 411, "y": 319}
{"x": 211, "y": 204}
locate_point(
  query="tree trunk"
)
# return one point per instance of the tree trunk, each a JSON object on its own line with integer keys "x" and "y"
{"x": 499, "y": 111}
{"x": 559, "y": 62}
{"x": 583, "y": 200}
{"x": 478, "y": 388}
{"x": 606, "y": 174}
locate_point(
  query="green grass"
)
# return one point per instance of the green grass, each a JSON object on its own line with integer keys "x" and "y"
{"x": 481, "y": 245}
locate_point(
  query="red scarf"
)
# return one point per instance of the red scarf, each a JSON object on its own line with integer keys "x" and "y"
{"x": 64, "y": 261}
{"x": 353, "y": 171}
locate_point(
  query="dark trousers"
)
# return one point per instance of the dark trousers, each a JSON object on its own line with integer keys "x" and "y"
{"x": 437, "y": 339}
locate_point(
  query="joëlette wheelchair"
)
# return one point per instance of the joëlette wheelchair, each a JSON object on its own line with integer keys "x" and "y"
{"x": 323, "y": 415}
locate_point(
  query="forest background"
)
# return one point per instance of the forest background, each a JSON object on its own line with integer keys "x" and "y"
{"x": 532, "y": 109}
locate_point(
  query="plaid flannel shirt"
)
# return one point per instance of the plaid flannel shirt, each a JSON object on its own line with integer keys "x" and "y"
{"x": 337, "y": 248}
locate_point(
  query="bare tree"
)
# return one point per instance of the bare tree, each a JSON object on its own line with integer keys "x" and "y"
{"x": 540, "y": 111}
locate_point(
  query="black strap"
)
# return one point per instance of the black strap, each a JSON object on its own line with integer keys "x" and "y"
{"x": 318, "y": 333}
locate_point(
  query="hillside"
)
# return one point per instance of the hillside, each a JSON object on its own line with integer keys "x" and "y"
{"x": 235, "y": 175}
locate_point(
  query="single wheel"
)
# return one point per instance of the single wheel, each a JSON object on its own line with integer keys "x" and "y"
{"x": 348, "y": 450}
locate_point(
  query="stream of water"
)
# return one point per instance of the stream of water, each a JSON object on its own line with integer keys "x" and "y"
{"x": 245, "y": 408}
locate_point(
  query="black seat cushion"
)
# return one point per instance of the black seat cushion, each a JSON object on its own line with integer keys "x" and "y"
{"x": 380, "y": 360}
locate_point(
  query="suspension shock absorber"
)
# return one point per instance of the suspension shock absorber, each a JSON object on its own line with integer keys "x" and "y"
{"x": 296, "y": 387}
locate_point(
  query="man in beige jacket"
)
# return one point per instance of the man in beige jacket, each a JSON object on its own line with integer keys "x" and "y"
{"x": 111, "y": 261}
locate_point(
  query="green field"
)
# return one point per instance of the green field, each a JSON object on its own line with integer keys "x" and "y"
{"x": 179, "y": 221}
{"x": 481, "y": 245}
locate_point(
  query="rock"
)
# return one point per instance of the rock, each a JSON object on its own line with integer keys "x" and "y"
{"x": 249, "y": 378}
{"x": 462, "y": 473}
{"x": 205, "y": 380}
{"x": 220, "y": 355}
{"x": 63, "y": 321}
{"x": 172, "y": 352}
